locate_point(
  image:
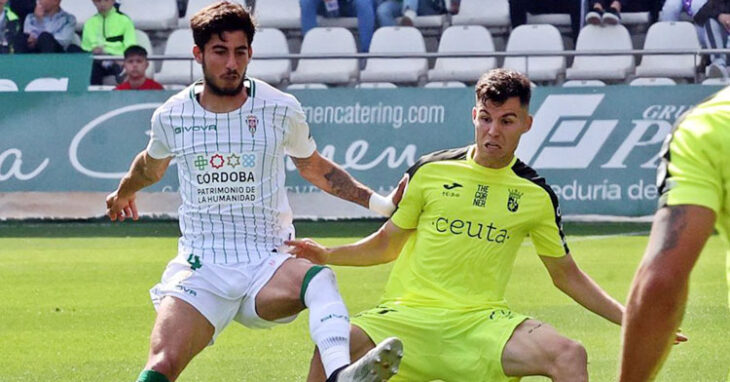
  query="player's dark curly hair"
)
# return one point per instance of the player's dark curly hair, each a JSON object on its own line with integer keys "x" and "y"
{"x": 498, "y": 85}
{"x": 223, "y": 16}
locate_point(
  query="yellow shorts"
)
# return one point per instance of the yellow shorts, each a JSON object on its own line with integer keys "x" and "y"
{"x": 445, "y": 345}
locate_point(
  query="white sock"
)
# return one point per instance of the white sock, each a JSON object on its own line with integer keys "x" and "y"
{"x": 329, "y": 322}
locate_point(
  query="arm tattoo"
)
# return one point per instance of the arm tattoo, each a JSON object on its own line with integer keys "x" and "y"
{"x": 676, "y": 225}
{"x": 344, "y": 186}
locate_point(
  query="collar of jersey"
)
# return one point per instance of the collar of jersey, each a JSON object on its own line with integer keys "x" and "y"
{"x": 470, "y": 160}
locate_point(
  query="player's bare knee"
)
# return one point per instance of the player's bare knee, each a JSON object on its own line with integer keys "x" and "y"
{"x": 569, "y": 361}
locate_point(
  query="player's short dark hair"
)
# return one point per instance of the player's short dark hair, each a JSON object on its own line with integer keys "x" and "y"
{"x": 135, "y": 50}
{"x": 498, "y": 85}
{"x": 220, "y": 17}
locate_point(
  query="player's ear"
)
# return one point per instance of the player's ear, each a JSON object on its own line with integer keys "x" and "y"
{"x": 198, "y": 54}
{"x": 474, "y": 114}
{"x": 528, "y": 123}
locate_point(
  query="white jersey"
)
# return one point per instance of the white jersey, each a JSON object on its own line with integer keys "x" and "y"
{"x": 231, "y": 170}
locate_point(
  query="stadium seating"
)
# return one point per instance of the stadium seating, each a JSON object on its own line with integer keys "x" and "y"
{"x": 582, "y": 83}
{"x": 558, "y": 20}
{"x": 47, "y": 85}
{"x": 716, "y": 81}
{"x": 151, "y": 15}
{"x": 652, "y": 81}
{"x": 536, "y": 38}
{"x": 82, "y": 9}
{"x": 327, "y": 41}
{"x": 376, "y": 85}
{"x": 281, "y": 14}
{"x": 444, "y": 84}
{"x": 473, "y": 12}
{"x": 396, "y": 40}
{"x": 463, "y": 39}
{"x": 609, "y": 38}
{"x": 307, "y": 86}
{"x": 270, "y": 42}
{"x": 670, "y": 35}
{"x": 8, "y": 86}
{"x": 179, "y": 43}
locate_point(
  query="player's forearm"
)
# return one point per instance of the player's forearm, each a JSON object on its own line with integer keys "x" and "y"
{"x": 139, "y": 176}
{"x": 581, "y": 288}
{"x": 375, "y": 249}
{"x": 653, "y": 313}
{"x": 331, "y": 178}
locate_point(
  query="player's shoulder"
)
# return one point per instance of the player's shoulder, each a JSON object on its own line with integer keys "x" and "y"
{"x": 175, "y": 101}
{"x": 533, "y": 180}
{"x": 437, "y": 157}
{"x": 262, "y": 90}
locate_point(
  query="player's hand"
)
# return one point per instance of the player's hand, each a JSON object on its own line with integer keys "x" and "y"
{"x": 308, "y": 249}
{"x": 397, "y": 195}
{"x": 679, "y": 337}
{"x": 121, "y": 208}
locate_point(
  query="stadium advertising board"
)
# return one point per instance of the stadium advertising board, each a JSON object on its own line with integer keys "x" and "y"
{"x": 597, "y": 147}
{"x": 34, "y": 72}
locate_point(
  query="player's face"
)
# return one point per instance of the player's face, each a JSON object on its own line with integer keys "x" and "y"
{"x": 224, "y": 62}
{"x": 49, "y": 5}
{"x": 135, "y": 66}
{"x": 103, "y": 6}
{"x": 497, "y": 130}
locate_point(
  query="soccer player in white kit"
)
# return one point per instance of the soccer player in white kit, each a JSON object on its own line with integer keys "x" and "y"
{"x": 229, "y": 135}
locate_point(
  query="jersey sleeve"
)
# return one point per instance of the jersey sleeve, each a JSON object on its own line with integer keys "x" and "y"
{"x": 409, "y": 209}
{"x": 547, "y": 235}
{"x": 158, "y": 147}
{"x": 691, "y": 172}
{"x": 299, "y": 142}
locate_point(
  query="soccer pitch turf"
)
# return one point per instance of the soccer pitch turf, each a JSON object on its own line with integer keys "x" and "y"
{"x": 75, "y": 305}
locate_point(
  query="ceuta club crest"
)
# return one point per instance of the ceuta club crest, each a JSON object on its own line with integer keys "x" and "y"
{"x": 253, "y": 123}
{"x": 513, "y": 202}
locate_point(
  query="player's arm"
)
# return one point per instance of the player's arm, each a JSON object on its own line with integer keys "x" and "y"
{"x": 383, "y": 246}
{"x": 659, "y": 291}
{"x": 333, "y": 179}
{"x": 571, "y": 280}
{"x": 145, "y": 171}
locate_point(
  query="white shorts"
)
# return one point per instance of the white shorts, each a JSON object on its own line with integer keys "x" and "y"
{"x": 221, "y": 292}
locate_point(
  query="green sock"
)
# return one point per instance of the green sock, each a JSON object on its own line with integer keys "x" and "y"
{"x": 152, "y": 376}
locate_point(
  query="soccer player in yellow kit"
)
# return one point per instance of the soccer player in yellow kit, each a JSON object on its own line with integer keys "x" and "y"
{"x": 454, "y": 237}
{"x": 694, "y": 182}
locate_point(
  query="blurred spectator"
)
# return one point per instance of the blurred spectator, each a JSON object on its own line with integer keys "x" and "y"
{"x": 364, "y": 10}
{"x": 519, "y": 8}
{"x": 108, "y": 32}
{"x": 389, "y": 10}
{"x": 9, "y": 28}
{"x": 49, "y": 29}
{"x": 714, "y": 17}
{"x": 604, "y": 11}
{"x": 673, "y": 10}
{"x": 135, "y": 66}
{"x": 22, "y": 8}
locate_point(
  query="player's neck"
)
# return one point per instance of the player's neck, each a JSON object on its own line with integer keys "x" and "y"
{"x": 215, "y": 103}
{"x": 492, "y": 162}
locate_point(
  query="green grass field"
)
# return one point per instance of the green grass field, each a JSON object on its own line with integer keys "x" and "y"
{"x": 75, "y": 305}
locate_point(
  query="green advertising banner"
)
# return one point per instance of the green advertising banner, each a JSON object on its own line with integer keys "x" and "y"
{"x": 597, "y": 147}
{"x": 33, "y": 72}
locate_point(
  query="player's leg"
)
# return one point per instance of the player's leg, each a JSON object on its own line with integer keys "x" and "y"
{"x": 296, "y": 285}
{"x": 180, "y": 332}
{"x": 360, "y": 343}
{"x": 536, "y": 348}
